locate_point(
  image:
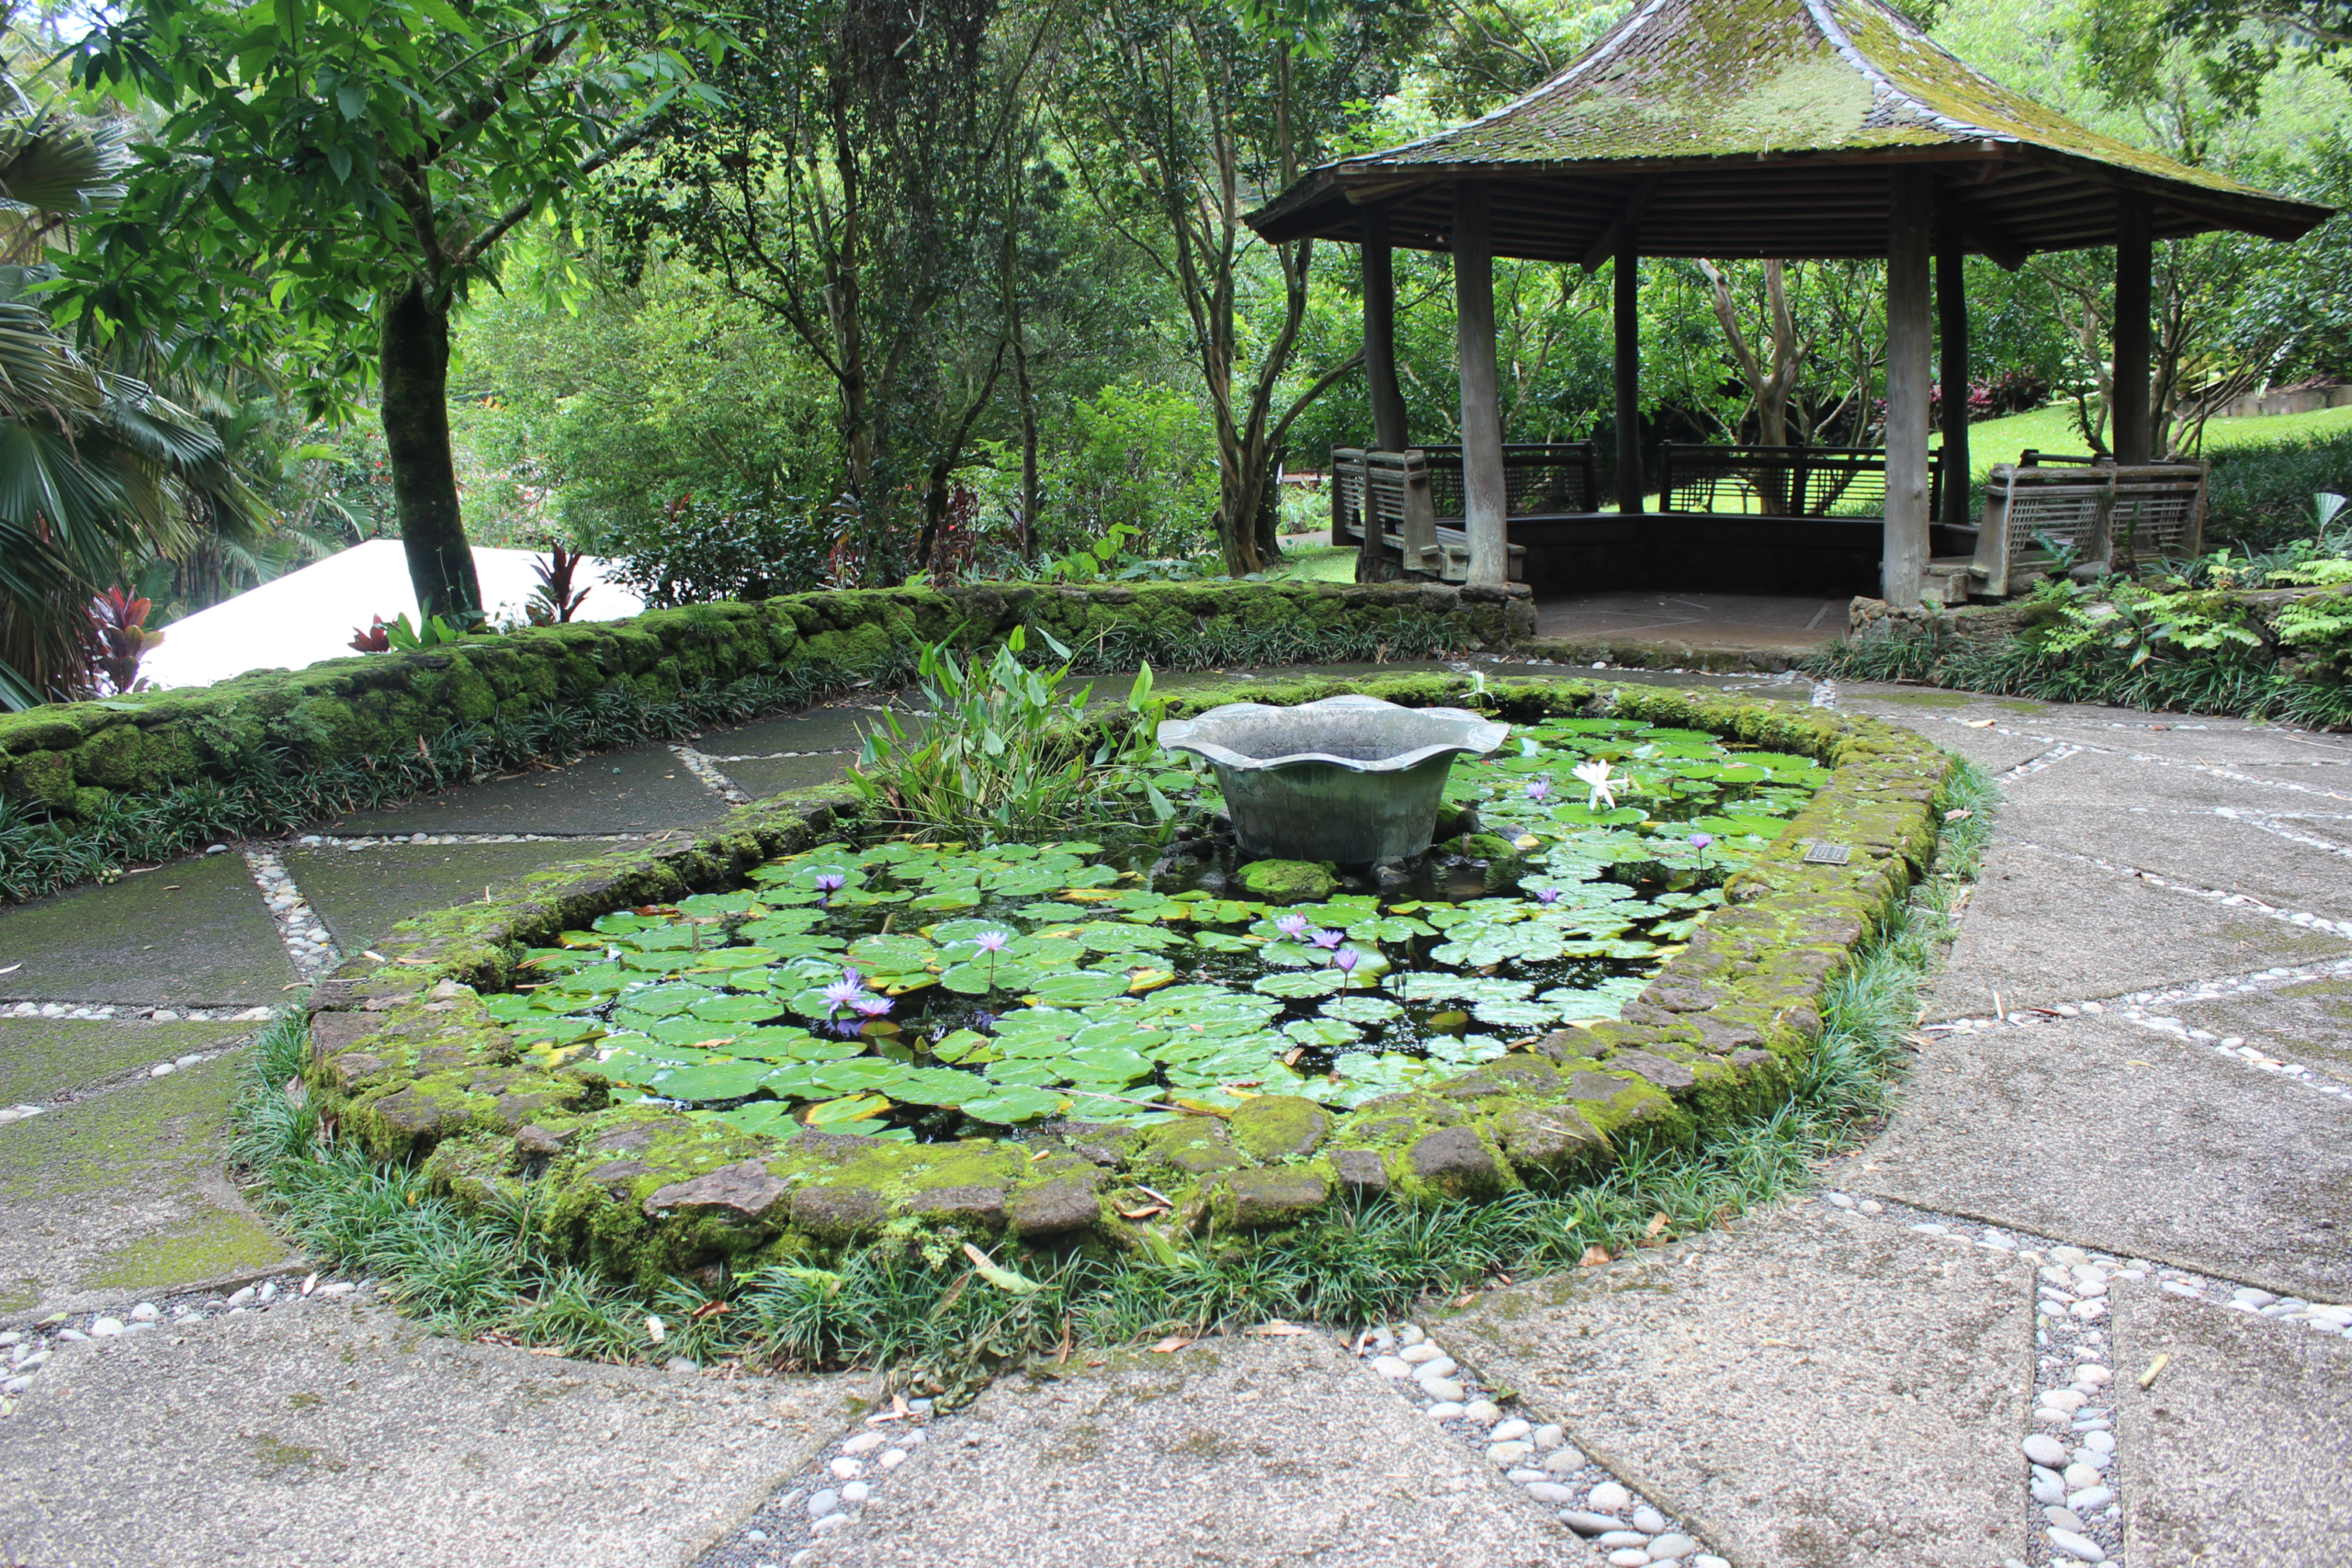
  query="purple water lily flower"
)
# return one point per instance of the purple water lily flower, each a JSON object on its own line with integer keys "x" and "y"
{"x": 1547, "y": 895}
{"x": 1538, "y": 789}
{"x": 1702, "y": 842}
{"x": 992, "y": 941}
{"x": 1327, "y": 941}
{"x": 871, "y": 1006}
{"x": 1346, "y": 959}
{"x": 844, "y": 992}
{"x": 1290, "y": 926}
{"x": 828, "y": 884}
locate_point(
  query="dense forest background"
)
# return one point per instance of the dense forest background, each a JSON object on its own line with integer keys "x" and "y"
{"x": 846, "y": 291}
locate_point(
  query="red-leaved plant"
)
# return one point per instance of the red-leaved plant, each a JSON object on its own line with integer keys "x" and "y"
{"x": 553, "y": 601}
{"x": 117, "y": 640}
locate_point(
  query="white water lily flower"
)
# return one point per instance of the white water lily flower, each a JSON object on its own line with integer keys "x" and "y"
{"x": 1604, "y": 786}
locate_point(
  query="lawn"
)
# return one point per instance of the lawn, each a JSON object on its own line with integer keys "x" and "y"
{"x": 2052, "y": 429}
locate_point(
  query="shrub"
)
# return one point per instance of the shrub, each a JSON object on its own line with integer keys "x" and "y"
{"x": 696, "y": 551}
{"x": 2261, "y": 497}
{"x": 1142, "y": 457}
{"x": 1010, "y": 754}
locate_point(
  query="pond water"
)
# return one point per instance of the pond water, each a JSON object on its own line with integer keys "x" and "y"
{"x": 912, "y": 989}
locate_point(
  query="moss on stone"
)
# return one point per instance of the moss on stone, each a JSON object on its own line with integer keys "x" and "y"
{"x": 216, "y": 1244}
{"x": 1288, "y": 881}
{"x": 1274, "y": 1127}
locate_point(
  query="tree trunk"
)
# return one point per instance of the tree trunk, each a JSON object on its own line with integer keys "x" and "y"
{"x": 415, "y": 369}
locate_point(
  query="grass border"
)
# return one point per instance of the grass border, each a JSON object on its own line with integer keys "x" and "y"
{"x": 915, "y": 1304}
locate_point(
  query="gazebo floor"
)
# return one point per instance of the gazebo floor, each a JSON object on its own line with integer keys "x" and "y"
{"x": 1712, "y": 621}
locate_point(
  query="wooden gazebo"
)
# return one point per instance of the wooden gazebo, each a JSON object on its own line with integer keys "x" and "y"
{"x": 1763, "y": 128}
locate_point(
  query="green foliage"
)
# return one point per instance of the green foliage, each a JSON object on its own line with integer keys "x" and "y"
{"x": 312, "y": 157}
{"x": 1141, "y": 459}
{"x": 696, "y": 551}
{"x": 1009, "y": 755}
{"x": 2260, "y": 498}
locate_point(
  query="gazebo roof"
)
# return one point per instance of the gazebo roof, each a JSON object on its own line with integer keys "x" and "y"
{"x": 1769, "y": 128}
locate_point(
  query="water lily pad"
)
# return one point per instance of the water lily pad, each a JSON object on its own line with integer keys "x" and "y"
{"x": 1298, "y": 984}
{"x": 736, "y": 1008}
{"x": 714, "y": 1080}
{"x": 858, "y": 1073}
{"x": 1362, "y": 1010}
{"x": 1079, "y": 986}
{"x": 1013, "y": 1105}
{"x": 891, "y": 954}
{"x": 842, "y": 1115}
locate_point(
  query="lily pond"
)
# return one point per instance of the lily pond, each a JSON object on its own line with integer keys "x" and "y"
{"x": 920, "y": 990}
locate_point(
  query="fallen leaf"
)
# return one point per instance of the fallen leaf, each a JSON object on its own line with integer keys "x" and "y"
{"x": 2135, "y": 1061}
{"x": 711, "y": 1309}
{"x": 1658, "y": 1223}
{"x": 1278, "y": 1326}
{"x": 547, "y": 1350}
{"x": 1092, "y": 1364}
{"x": 1002, "y": 1278}
{"x": 1170, "y": 1345}
{"x": 2154, "y": 1367}
{"x": 1979, "y": 723}
{"x": 1147, "y": 1211}
{"x": 1594, "y": 1256}
{"x": 309, "y": 1283}
{"x": 11, "y": 968}
{"x": 170, "y": 886}
{"x": 1464, "y": 1298}
{"x": 897, "y": 1411}
{"x": 656, "y": 1330}
{"x": 1958, "y": 815}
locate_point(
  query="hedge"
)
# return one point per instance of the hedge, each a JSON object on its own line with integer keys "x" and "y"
{"x": 71, "y": 760}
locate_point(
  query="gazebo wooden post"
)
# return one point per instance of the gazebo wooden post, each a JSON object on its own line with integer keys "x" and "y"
{"x": 1484, "y": 500}
{"x": 1951, "y": 346}
{"x": 1380, "y": 334}
{"x": 1627, "y": 287}
{"x": 1910, "y": 235}
{"x": 2134, "y": 259}
{"x": 1375, "y": 563}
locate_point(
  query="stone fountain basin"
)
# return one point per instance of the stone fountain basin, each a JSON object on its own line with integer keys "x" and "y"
{"x": 1349, "y": 780}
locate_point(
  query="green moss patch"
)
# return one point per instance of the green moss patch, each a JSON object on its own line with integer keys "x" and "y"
{"x": 41, "y": 1058}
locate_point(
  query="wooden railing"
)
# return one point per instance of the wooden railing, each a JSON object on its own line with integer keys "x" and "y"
{"x": 1782, "y": 481}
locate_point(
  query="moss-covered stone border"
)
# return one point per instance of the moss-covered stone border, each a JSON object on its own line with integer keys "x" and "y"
{"x": 406, "y": 1060}
{"x": 71, "y": 760}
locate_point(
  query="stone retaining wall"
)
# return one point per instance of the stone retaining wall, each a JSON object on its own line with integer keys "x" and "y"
{"x": 406, "y": 1060}
{"x": 69, "y": 758}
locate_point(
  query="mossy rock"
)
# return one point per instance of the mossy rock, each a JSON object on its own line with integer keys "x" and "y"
{"x": 1289, "y": 881}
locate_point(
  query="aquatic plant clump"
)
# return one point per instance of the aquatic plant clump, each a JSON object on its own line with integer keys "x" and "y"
{"x": 922, "y": 990}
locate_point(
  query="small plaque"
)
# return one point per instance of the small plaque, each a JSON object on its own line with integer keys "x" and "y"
{"x": 1821, "y": 852}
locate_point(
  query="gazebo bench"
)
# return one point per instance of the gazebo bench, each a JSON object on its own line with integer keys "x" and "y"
{"x": 2095, "y": 508}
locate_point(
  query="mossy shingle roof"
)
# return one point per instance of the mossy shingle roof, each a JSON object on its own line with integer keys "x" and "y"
{"x": 1770, "y": 128}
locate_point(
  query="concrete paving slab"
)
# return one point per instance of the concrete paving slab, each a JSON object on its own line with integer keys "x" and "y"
{"x": 2043, "y": 928}
{"x": 2308, "y": 1023}
{"x": 1781, "y": 623}
{"x": 124, "y": 1191}
{"x": 2177, "y": 839}
{"x": 340, "y": 1434}
{"x": 831, "y": 728}
{"x": 2236, "y": 1452}
{"x": 45, "y": 1059}
{"x": 2109, "y": 1135}
{"x": 1234, "y": 1453}
{"x": 1807, "y": 1390}
{"x": 613, "y": 791}
{"x": 362, "y": 893}
{"x": 1944, "y": 718}
{"x": 765, "y": 776}
{"x": 193, "y": 933}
